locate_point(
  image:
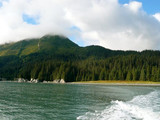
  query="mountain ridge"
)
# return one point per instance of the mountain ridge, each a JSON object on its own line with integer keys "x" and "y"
{"x": 56, "y": 57}
{"x": 50, "y": 43}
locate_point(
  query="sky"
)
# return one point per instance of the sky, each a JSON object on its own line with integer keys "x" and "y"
{"x": 150, "y": 6}
{"x": 113, "y": 24}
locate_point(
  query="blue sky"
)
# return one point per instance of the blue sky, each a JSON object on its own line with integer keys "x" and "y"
{"x": 30, "y": 20}
{"x": 150, "y": 6}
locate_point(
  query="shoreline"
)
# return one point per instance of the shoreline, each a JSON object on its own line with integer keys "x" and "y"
{"x": 119, "y": 83}
{"x": 108, "y": 83}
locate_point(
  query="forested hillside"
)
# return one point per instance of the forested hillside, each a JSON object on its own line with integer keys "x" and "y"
{"x": 56, "y": 57}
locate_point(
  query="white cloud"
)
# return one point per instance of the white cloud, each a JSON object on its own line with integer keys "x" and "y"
{"x": 101, "y": 22}
{"x": 134, "y": 6}
{"x": 157, "y": 16}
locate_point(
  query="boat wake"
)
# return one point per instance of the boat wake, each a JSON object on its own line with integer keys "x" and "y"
{"x": 142, "y": 107}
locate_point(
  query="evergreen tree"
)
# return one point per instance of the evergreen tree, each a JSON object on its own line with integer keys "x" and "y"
{"x": 129, "y": 76}
{"x": 142, "y": 75}
{"x": 102, "y": 75}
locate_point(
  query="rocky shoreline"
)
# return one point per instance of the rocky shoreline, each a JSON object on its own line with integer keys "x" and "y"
{"x": 32, "y": 80}
{"x": 109, "y": 83}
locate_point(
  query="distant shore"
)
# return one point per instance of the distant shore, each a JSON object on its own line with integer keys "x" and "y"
{"x": 110, "y": 82}
{"x": 127, "y": 83}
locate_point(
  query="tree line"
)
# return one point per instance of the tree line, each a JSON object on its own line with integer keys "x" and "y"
{"x": 130, "y": 67}
{"x": 143, "y": 66}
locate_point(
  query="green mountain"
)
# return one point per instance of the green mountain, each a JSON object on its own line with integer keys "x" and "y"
{"x": 48, "y": 44}
{"x": 55, "y": 45}
{"x": 56, "y": 57}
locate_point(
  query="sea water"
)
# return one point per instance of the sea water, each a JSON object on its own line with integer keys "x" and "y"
{"x": 26, "y": 101}
{"x": 141, "y": 107}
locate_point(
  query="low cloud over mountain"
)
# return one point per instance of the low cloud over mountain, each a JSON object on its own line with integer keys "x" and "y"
{"x": 101, "y": 22}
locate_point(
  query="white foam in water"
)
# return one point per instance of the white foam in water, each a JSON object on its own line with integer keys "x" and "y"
{"x": 143, "y": 107}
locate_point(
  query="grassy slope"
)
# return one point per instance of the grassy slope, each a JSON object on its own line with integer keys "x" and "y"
{"x": 48, "y": 44}
{"x": 20, "y": 48}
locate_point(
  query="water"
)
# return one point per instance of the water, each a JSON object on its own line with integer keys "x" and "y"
{"x": 25, "y": 101}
